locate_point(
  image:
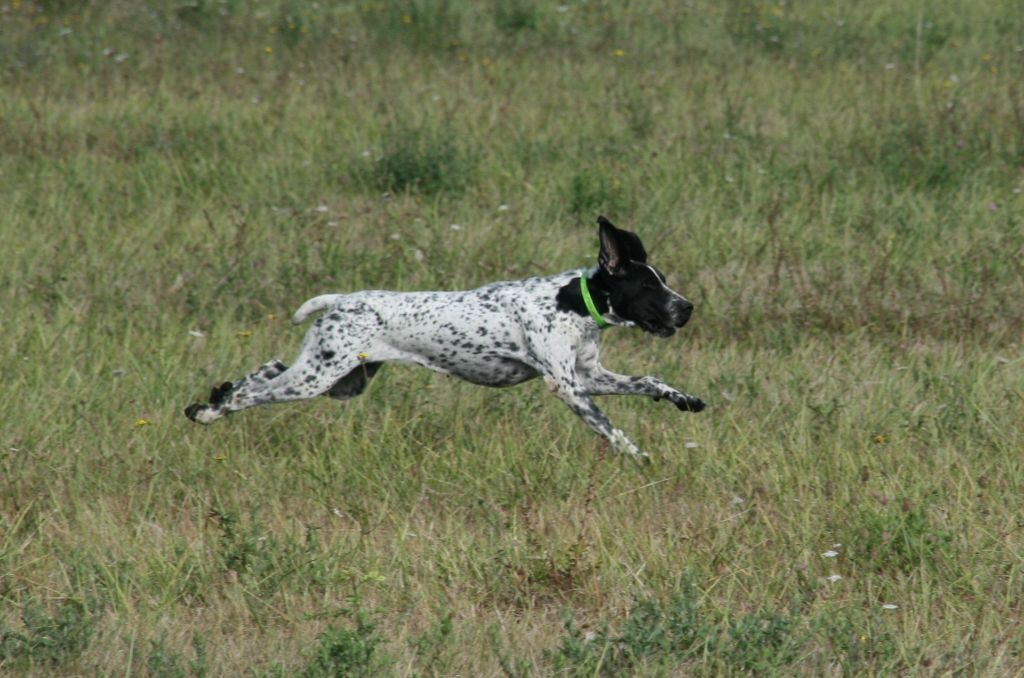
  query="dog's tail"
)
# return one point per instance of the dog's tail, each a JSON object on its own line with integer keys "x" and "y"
{"x": 313, "y": 305}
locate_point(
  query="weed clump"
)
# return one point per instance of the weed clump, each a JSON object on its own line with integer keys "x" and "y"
{"x": 419, "y": 160}
{"x": 591, "y": 190}
{"x": 418, "y": 25}
{"x": 163, "y": 662}
{"x": 47, "y": 638}
{"x": 348, "y": 651}
{"x": 515, "y": 16}
{"x": 666, "y": 637}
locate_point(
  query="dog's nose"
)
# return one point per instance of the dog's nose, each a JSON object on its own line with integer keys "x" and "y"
{"x": 683, "y": 312}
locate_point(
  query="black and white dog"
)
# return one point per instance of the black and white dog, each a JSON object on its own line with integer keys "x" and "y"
{"x": 497, "y": 335}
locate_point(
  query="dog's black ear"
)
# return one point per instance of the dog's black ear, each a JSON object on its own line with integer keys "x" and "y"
{"x": 618, "y": 247}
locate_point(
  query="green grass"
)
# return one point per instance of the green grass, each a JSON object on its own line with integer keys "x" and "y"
{"x": 837, "y": 188}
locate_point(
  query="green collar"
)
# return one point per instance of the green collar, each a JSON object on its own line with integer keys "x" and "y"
{"x": 589, "y": 302}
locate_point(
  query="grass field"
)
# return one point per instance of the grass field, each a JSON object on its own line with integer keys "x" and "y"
{"x": 837, "y": 187}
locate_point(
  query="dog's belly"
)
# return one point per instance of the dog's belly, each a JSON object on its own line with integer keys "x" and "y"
{"x": 495, "y": 372}
{"x": 485, "y": 370}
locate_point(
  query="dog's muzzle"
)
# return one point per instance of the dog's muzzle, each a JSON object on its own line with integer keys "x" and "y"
{"x": 678, "y": 313}
{"x": 681, "y": 312}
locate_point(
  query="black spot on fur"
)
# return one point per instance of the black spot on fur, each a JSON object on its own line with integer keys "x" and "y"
{"x": 219, "y": 393}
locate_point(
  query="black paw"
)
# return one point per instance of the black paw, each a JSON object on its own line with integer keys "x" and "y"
{"x": 689, "y": 403}
{"x": 193, "y": 409}
{"x": 219, "y": 393}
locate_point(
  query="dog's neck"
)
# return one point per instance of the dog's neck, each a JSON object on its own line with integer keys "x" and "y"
{"x": 570, "y": 298}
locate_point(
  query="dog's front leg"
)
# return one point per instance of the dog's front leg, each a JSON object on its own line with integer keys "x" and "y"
{"x": 585, "y": 408}
{"x": 599, "y": 381}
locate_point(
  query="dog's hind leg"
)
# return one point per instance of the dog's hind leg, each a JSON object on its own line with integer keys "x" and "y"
{"x": 332, "y": 361}
{"x": 263, "y": 374}
{"x": 307, "y": 378}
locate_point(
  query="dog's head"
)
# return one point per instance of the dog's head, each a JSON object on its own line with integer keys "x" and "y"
{"x": 635, "y": 290}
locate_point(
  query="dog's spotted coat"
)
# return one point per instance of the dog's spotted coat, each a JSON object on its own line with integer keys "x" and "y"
{"x": 497, "y": 335}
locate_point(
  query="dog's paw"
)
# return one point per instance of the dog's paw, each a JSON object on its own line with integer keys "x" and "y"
{"x": 688, "y": 403}
{"x": 203, "y": 414}
{"x": 620, "y": 443}
{"x": 193, "y": 410}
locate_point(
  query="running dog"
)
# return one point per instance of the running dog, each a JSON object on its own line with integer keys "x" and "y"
{"x": 501, "y": 334}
